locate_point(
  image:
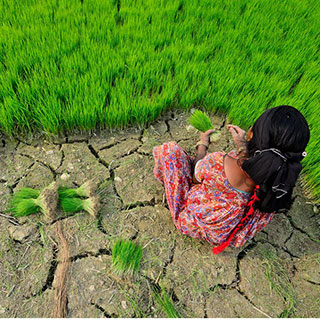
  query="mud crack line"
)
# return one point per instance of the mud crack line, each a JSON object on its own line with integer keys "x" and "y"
{"x": 106, "y": 315}
{"x": 240, "y": 256}
{"x": 100, "y": 252}
{"x": 51, "y": 273}
{"x": 169, "y": 261}
{"x": 294, "y": 226}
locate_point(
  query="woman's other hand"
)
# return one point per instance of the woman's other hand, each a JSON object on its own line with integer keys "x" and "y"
{"x": 205, "y": 136}
{"x": 238, "y": 134}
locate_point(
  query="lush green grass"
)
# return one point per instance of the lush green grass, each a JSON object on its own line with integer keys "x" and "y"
{"x": 81, "y": 64}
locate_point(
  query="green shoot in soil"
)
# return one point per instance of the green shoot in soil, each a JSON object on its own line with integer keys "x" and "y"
{"x": 165, "y": 302}
{"x": 126, "y": 257}
{"x": 200, "y": 121}
{"x": 279, "y": 282}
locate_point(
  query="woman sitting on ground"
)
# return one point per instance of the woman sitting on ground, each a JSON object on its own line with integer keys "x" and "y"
{"x": 226, "y": 199}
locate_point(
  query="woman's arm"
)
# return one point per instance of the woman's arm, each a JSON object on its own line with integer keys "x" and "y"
{"x": 202, "y": 148}
{"x": 201, "y": 153}
{"x": 239, "y": 140}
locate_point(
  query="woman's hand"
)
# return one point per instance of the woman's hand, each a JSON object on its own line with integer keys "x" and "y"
{"x": 205, "y": 136}
{"x": 238, "y": 134}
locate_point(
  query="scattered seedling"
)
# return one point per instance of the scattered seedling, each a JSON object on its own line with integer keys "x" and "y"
{"x": 165, "y": 302}
{"x": 200, "y": 121}
{"x": 279, "y": 282}
{"x": 126, "y": 257}
{"x": 91, "y": 205}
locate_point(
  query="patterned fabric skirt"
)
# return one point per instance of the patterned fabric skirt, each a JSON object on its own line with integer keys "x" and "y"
{"x": 173, "y": 170}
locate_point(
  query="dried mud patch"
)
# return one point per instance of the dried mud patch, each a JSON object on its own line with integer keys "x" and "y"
{"x": 307, "y": 286}
{"x": 80, "y": 164}
{"x": 134, "y": 181}
{"x": 229, "y": 303}
{"x": 94, "y": 291}
{"x": 25, "y": 266}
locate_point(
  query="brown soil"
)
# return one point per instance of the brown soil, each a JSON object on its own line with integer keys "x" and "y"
{"x": 62, "y": 267}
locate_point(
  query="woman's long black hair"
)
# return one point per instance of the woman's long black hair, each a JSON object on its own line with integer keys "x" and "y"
{"x": 283, "y": 129}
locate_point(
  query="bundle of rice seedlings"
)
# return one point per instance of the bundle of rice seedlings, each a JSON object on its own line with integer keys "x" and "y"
{"x": 165, "y": 302}
{"x": 126, "y": 257}
{"x": 87, "y": 190}
{"x": 25, "y": 193}
{"x": 91, "y": 205}
{"x": 25, "y": 207}
{"x": 200, "y": 121}
{"x": 28, "y": 201}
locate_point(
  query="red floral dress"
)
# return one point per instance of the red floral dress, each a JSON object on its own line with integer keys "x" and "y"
{"x": 209, "y": 210}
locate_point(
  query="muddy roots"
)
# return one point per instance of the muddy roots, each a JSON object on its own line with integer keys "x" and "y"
{"x": 92, "y": 206}
{"x": 87, "y": 189}
{"x": 48, "y": 200}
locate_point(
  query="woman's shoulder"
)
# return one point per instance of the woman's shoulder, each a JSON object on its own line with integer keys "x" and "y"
{"x": 219, "y": 155}
{"x": 215, "y": 157}
{"x": 233, "y": 154}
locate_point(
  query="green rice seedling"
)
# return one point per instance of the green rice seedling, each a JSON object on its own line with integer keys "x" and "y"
{"x": 200, "y": 121}
{"x": 126, "y": 257}
{"x": 91, "y": 205}
{"x": 165, "y": 302}
{"x": 24, "y": 193}
{"x": 25, "y": 202}
{"x": 25, "y": 207}
{"x": 85, "y": 190}
{"x": 279, "y": 282}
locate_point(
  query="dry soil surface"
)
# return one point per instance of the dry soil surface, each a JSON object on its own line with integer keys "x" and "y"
{"x": 275, "y": 274}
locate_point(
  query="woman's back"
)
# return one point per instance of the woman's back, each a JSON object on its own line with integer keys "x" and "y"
{"x": 211, "y": 209}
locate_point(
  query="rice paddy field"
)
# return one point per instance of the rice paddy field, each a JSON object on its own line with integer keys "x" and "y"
{"x": 79, "y": 64}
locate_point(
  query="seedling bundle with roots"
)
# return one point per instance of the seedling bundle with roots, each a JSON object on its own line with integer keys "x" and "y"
{"x": 200, "y": 121}
{"x": 91, "y": 205}
{"x": 70, "y": 199}
{"x": 126, "y": 257}
{"x": 86, "y": 190}
{"x": 28, "y": 201}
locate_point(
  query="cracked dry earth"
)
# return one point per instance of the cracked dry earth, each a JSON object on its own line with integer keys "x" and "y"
{"x": 277, "y": 273}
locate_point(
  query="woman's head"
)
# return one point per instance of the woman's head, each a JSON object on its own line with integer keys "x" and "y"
{"x": 283, "y": 127}
{"x": 279, "y": 138}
